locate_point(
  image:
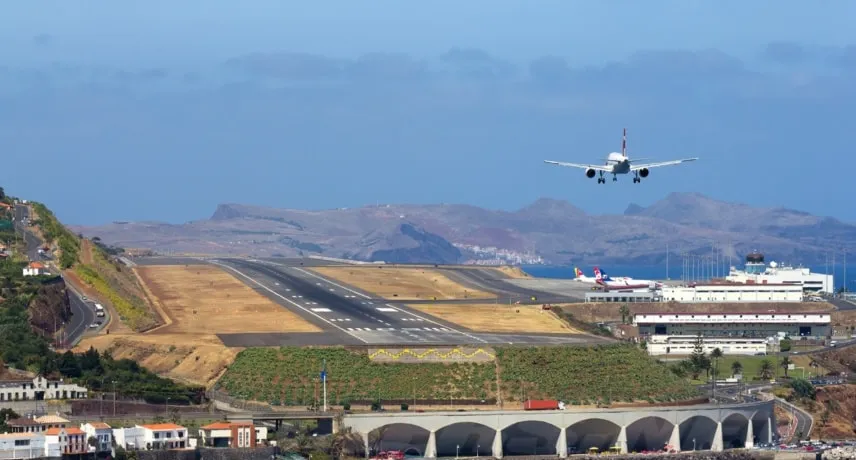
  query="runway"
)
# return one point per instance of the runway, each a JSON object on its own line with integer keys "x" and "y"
{"x": 353, "y": 317}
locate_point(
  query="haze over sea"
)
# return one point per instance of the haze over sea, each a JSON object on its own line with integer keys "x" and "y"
{"x": 656, "y": 272}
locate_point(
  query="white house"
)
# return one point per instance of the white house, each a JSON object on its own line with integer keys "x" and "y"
{"x": 65, "y": 441}
{"x": 100, "y": 431}
{"x": 22, "y": 445}
{"x": 152, "y": 437}
{"x": 40, "y": 389}
{"x": 232, "y": 434}
{"x": 130, "y": 438}
{"x": 35, "y": 269}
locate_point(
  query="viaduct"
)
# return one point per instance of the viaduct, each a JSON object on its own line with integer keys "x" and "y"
{"x": 564, "y": 432}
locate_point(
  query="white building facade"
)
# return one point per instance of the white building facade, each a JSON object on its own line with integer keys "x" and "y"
{"x": 152, "y": 437}
{"x": 22, "y": 445}
{"x": 756, "y": 271}
{"x": 685, "y": 345}
{"x": 40, "y": 389}
{"x": 101, "y": 432}
{"x": 733, "y": 293}
{"x": 734, "y": 325}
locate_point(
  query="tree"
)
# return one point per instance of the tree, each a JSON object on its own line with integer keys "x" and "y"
{"x": 716, "y": 355}
{"x": 824, "y": 417}
{"x": 2, "y": 194}
{"x": 92, "y": 442}
{"x": 625, "y": 313}
{"x": 736, "y": 368}
{"x": 803, "y": 388}
{"x": 698, "y": 360}
{"x": 766, "y": 369}
{"x": 786, "y": 362}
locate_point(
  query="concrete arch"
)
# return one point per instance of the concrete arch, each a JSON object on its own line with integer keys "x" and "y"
{"x": 398, "y": 436}
{"x": 762, "y": 427}
{"x": 530, "y": 438}
{"x": 649, "y": 433}
{"x": 593, "y": 432}
{"x": 466, "y": 439}
{"x": 697, "y": 433}
{"x": 734, "y": 430}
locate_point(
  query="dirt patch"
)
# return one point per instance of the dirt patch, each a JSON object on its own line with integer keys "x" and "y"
{"x": 198, "y": 360}
{"x": 499, "y": 318}
{"x": 834, "y": 412}
{"x": 513, "y": 272}
{"x": 402, "y": 283}
{"x": 202, "y": 299}
{"x": 595, "y": 312}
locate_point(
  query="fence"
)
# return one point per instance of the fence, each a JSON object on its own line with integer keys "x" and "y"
{"x": 109, "y": 407}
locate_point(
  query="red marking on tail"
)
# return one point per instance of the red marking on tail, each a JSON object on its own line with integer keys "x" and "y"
{"x": 624, "y": 143}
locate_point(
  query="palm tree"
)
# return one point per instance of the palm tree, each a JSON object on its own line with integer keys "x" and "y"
{"x": 736, "y": 368}
{"x": 766, "y": 369}
{"x": 715, "y": 355}
{"x": 785, "y": 363}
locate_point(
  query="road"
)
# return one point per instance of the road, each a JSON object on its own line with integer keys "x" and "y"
{"x": 82, "y": 315}
{"x": 353, "y": 317}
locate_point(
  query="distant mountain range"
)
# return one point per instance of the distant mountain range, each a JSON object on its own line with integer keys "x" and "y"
{"x": 555, "y": 230}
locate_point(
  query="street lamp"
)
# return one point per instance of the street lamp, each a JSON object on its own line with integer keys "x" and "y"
{"x": 693, "y": 443}
{"x": 114, "y": 398}
{"x": 457, "y": 450}
{"x": 478, "y": 446}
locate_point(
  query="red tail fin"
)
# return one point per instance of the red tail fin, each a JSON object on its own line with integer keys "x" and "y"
{"x": 624, "y": 143}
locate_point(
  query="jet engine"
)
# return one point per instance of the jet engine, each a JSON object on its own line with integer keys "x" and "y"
{"x": 590, "y": 173}
{"x": 643, "y": 172}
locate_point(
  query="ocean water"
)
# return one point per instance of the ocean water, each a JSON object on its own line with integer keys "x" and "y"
{"x": 658, "y": 272}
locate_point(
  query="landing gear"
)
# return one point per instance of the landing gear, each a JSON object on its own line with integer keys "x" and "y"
{"x": 614, "y": 178}
{"x": 601, "y": 180}
{"x": 636, "y": 179}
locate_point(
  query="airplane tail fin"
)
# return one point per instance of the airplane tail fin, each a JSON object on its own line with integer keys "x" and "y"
{"x": 597, "y": 274}
{"x": 624, "y": 144}
{"x": 578, "y": 272}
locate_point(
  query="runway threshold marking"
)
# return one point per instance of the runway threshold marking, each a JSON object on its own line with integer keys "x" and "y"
{"x": 290, "y": 301}
{"x": 388, "y": 305}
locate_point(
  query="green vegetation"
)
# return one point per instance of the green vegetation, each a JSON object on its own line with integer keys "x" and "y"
{"x": 55, "y": 232}
{"x": 582, "y": 375}
{"x": 22, "y": 348}
{"x": 578, "y": 375}
{"x": 118, "y": 286}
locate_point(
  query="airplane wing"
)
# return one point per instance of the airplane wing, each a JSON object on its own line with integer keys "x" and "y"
{"x": 581, "y": 166}
{"x": 662, "y": 163}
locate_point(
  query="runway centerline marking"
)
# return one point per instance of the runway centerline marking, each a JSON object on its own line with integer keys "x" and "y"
{"x": 289, "y": 300}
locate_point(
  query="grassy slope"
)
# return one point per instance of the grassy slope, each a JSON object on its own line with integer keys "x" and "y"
{"x": 116, "y": 284}
{"x": 577, "y": 375}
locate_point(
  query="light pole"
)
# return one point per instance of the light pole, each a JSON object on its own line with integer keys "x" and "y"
{"x": 166, "y": 407}
{"x": 457, "y": 450}
{"x": 693, "y": 443}
{"x": 478, "y": 447}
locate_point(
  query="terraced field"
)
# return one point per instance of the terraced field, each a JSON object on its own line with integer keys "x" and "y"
{"x": 578, "y": 375}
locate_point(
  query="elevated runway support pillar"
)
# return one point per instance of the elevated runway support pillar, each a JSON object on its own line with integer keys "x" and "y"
{"x": 769, "y": 429}
{"x": 431, "y": 447}
{"x": 750, "y": 436}
{"x": 622, "y": 439}
{"x": 562, "y": 444}
{"x": 716, "y": 446}
{"x": 496, "y": 449}
{"x": 366, "y": 444}
{"x": 675, "y": 440}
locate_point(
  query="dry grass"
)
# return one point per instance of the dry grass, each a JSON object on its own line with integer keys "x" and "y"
{"x": 594, "y": 312}
{"x": 513, "y": 272}
{"x": 197, "y": 302}
{"x": 198, "y": 359}
{"x": 202, "y": 299}
{"x": 402, "y": 283}
{"x": 499, "y": 318}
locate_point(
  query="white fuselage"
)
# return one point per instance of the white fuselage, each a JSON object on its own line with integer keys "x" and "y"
{"x": 619, "y": 163}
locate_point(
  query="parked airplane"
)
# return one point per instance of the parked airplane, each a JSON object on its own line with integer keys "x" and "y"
{"x": 620, "y": 163}
{"x": 623, "y": 282}
{"x": 582, "y": 277}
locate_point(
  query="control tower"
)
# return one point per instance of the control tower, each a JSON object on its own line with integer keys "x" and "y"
{"x": 755, "y": 263}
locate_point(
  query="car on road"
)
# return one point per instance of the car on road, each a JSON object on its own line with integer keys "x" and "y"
{"x": 93, "y": 325}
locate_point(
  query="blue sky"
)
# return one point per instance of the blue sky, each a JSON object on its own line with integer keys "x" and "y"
{"x": 160, "y": 110}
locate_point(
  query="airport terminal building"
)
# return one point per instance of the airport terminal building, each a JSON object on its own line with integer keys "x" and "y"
{"x": 733, "y": 292}
{"x": 733, "y": 333}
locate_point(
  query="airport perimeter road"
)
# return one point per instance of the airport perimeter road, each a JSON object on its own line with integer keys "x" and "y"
{"x": 82, "y": 314}
{"x": 842, "y": 304}
{"x": 33, "y": 242}
{"x": 354, "y": 317}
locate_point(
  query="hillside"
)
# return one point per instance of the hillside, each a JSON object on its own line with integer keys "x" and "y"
{"x": 556, "y": 230}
